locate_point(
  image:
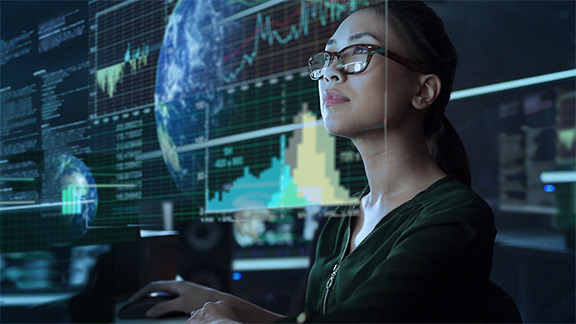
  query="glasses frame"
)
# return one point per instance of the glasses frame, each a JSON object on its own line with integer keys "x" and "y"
{"x": 372, "y": 49}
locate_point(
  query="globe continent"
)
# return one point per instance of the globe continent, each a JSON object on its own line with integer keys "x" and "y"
{"x": 189, "y": 73}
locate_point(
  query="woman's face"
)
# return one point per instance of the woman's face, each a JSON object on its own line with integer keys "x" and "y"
{"x": 355, "y": 104}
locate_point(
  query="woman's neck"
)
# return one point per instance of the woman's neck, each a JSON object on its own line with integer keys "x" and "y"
{"x": 398, "y": 167}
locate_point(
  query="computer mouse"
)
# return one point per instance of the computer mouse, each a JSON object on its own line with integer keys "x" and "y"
{"x": 138, "y": 309}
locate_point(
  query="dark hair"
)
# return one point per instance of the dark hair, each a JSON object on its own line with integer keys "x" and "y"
{"x": 429, "y": 45}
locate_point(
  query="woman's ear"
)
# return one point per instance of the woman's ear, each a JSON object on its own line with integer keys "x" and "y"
{"x": 428, "y": 91}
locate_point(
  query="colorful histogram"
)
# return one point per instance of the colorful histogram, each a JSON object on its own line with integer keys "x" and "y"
{"x": 304, "y": 174}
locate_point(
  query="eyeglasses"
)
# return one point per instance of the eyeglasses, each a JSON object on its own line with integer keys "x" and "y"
{"x": 354, "y": 59}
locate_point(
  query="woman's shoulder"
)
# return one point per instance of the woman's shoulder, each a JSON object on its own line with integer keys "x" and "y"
{"x": 450, "y": 200}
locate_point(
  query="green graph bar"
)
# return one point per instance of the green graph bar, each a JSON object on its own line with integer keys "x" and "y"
{"x": 77, "y": 201}
{"x": 64, "y": 196}
{"x": 68, "y": 200}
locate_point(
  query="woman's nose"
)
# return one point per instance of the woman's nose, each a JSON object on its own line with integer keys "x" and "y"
{"x": 333, "y": 74}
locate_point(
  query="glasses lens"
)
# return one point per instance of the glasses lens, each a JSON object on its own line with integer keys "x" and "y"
{"x": 353, "y": 59}
{"x": 317, "y": 64}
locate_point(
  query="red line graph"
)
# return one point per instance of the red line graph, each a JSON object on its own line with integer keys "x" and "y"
{"x": 274, "y": 23}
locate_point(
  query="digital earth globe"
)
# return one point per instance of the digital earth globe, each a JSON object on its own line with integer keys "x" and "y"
{"x": 70, "y": 182}
{"x": 188, "y": 75}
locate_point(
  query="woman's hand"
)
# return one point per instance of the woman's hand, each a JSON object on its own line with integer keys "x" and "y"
{"x": 219, "y": 312}
{"x": 190, "y": 296}
{"x": 210, "y": 303}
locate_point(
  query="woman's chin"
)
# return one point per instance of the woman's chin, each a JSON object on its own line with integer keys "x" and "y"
{"x": 337, "y": 128}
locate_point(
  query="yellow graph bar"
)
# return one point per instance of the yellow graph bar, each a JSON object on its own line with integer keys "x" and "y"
{"x": 18, "y": 179}
{"x": 137, "y": 64}
{"x": 566, "y": 138}
{"x": 317, "y": 181}
{"x": 18, "y": 202}
{"x": 109, "y": 77}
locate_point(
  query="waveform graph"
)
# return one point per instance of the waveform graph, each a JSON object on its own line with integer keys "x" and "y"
{"x": 108, "y": 78}
{"x": 301, "y": 173}
{"x": 277, "y": 36}
{"x": 124, "y": 48}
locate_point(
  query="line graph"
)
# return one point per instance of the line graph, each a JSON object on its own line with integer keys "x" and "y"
{"x": 266, "y": 28}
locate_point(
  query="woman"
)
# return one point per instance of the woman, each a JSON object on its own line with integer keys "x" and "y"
{"x": 421, "y": 248}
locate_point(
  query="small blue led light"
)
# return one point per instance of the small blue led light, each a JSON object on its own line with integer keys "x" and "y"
{"x": 549, "y": 188}
{"x": 236, "y": 276}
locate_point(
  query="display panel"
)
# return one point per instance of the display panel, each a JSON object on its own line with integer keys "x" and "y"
{"x": 206, "y": 105}
{"x": 125, "y": 115}
{"x": 101, "y": 130}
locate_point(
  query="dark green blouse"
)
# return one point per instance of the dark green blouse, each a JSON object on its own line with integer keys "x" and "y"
{"x": 427, "y": 261}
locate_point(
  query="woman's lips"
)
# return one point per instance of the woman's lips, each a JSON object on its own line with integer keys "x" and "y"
{"x": 332, "y": 97}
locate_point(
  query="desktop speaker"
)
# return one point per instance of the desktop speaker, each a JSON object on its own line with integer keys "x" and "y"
{"x": 206, "y": 253}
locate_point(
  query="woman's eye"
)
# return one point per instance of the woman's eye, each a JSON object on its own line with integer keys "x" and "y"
{"x": 360, "y": 50}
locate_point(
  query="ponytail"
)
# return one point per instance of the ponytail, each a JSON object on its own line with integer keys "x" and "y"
{"x": 425, "y": 36}
{"x": 447, "y": 150}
